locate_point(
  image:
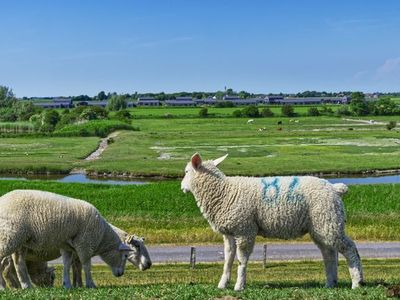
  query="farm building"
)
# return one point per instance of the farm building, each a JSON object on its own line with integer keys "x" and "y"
{"x": 55, "y": 103}
{"x": 148, "y": 101}
{"x": 180, "y": 101}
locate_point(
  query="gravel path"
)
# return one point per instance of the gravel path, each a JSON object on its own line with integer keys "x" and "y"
{"x": 275, "y": 251}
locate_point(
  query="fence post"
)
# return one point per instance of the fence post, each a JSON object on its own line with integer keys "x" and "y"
{"x": 192, "y": 257}
{"x": 265, "y": 256}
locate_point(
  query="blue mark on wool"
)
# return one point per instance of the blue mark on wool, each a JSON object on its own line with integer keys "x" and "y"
{"x": 273, "y": 198}
{"x": 274, "y": 184}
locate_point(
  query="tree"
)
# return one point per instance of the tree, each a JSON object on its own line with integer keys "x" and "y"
{"x": 244, "y": 95}
{"x": 358, "y": 105}
{"x": 287, "y": 110}
{"x": 117, "y": 102}
{"x": 385, "y": 106}
{"x": 7, "y": 97}
{"x": 49, "y": 120}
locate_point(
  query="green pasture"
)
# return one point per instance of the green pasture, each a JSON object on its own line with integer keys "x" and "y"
{"x": 279, "y": 280}
{"x": 164, "y": 214}
{"x": 162, "y": 147}
{"x": 193, "y": 112}
{"x": 44, "y": 154}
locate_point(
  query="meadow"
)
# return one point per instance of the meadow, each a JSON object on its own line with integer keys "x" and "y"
{"x": 306, "y": 145}
{"x": 163, "y": 214}
{"x": 279, "y": 280}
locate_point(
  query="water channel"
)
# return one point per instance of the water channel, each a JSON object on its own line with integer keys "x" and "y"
{"x": 82, "y": 178}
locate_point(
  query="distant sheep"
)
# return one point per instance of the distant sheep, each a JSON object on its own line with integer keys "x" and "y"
{"x": 240, "y": 208}
{"x": 251, "y": 121}
{"x": 40, "y": 220}
{"x": 279, "y": 123}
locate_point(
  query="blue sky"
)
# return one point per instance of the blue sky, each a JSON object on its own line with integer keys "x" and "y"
{"x": 53, "y": 48}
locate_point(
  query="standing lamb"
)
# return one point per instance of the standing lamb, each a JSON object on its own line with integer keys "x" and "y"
{"x": 240, "y": 208}
{"x": 40, "y": 220}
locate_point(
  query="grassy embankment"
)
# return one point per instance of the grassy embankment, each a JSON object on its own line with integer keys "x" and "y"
{"x": 163, "y": 214}
{"x": 280, "y": 280}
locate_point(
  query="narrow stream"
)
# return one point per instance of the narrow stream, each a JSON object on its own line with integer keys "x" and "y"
{"x": 82, "y": 178}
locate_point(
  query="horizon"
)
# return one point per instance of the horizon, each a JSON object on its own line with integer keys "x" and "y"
{"x": 55, "y": 49}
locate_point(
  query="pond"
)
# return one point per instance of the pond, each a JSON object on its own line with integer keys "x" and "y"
{"x": 82, "y": 178}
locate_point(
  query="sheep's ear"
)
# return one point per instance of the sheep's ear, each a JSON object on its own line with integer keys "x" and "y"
{"x": 196, "y": 161}
{"x": 220, "y": 160}
{"x": 124, "y": 247}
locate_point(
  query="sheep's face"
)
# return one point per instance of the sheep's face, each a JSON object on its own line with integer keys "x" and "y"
{"x": 194, "y": 166}
{"x": 116, "y": 259}
{"x": 138, "y": 255}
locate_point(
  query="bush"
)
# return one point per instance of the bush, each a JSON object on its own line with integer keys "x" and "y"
{"x": 48, "y": 121}
{"x": 100, "y": 128}
{"x": 288, "y": 110}
{"x": 203, "y": 113}
{"x": 237, "y": 113}
{"x": 222, "y": 104}
{"x": 251, "y": 111}
{"x": 391, "y": 125}
{"x": 124, "y": 116}
{"x": 343, "y": 111}
{"x": 313, "y": 111}
{"x": 267, "y": 112}
{"x": 326, "y": 110}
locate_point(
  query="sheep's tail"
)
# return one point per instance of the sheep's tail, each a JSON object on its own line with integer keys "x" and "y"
{"x": 340, "y": 188}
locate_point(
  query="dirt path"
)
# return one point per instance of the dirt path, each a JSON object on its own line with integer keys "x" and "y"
{"x": 368, "y": 122}
{"x": 103, "y": 146}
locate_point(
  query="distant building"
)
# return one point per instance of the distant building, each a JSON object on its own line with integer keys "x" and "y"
{"x": 180, "y": 101}
{"x": 239, "y": 102}
{"x": 206, "y": 101}
{"x": 279, "y": 100}
{"x": 55, "y": 103}
{"x": 148, "y": 101}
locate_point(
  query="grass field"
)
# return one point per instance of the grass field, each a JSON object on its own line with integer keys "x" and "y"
{"x": 44, "y": 154}
{"x": 164, "y": 214}
{"x": 313, "y": 145}
{"x": 280, "y": 280}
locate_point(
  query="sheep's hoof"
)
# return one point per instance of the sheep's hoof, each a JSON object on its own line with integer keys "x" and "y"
{"x": 357, "y": 284}
{"x": 238, "y": 288}
{"x": 91, "y": 285}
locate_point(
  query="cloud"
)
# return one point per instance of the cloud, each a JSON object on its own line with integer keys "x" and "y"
{"x": 388, "y": 68}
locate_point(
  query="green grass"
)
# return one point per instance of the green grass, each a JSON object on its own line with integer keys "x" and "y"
{"x": 100, "y": 128}
{"x": 163, "y": 214}
{"x": 280, "y": 280}
{"x": 313, "y": 145}
{"x": 44, "y": 154}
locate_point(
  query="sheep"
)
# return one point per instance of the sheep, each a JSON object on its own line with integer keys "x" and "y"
{"x": 36, "y": 262}
{"x": 41, "y": 274}
{"x": 39, "y": 220}
{"x": 240, "y": 208}
{"x": 251, "y": 121}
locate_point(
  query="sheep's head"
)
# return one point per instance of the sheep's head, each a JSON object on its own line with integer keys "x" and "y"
{"x": 196, "y": 165}
{"x": 138, "y": 256}
{"x": 116, "y": 259}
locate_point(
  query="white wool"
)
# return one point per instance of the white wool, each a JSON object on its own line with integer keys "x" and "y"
{"x": 278, "y": 207}
{"x": 44, "y": 221}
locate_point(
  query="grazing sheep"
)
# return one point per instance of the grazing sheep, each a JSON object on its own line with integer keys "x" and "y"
{"x": 36, "y": 262}
{"x": 39, "y": 272}
{"x": 251, "y": 121}
{"x": 40, "y": 220}
{"x": 278, "y": 207}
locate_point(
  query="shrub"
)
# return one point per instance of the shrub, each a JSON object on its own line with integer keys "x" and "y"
{"x": 343, "y": 111}
{"x": 391, "y": 125}
{"x": 267, "y": 112}
{"x": 313, "y": 111}
{"x": 237, "y": 113}
{"x": 124, "y": 116}
{"x": 203, "y": 113}
{"x": 288, "y": 110}
{"x": 221, "y": 104}
{"x": 251, "y": 111}
{"x": 117, "y": 102}
{"x": 100, "y": 128}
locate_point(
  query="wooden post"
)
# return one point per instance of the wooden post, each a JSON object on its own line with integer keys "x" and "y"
{"x": 265, "y": 256}
{"x": 192, "y": 257}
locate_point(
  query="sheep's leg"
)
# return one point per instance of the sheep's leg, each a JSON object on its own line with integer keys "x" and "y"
{"x": 330, "y": 257}
{"x": 244, "y": 249}
{"x": 76, "y": 272}
{"x": 349, "y": 250}
{"x": 67, "y": 260}
{"x": 8, "y": 272}
{"x": 88, "y": 274}
{"x": 2, "y": 266}
{"x": 21, "y": 269}
{"x": 229, "y": 253}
